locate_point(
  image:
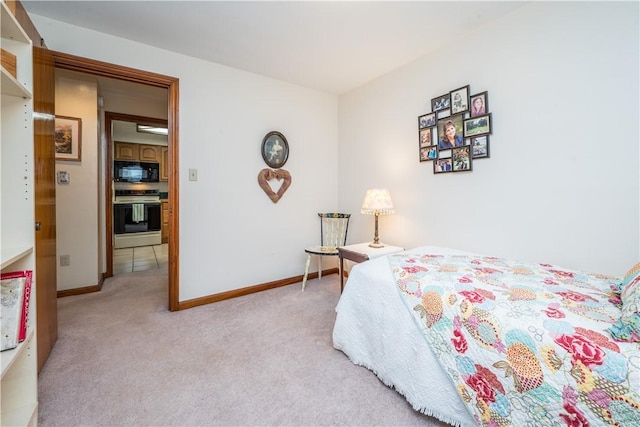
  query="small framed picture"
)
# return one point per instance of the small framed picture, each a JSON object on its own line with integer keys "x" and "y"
{"x": 461, "y": 159}
{"x": 460, "y": 100}
{"x": 475, "y": 126}
{"x": 450, "y": 132}
{"x": 426, "y": 137}
{"x": 427, "y": 121}
{"x": 428, "y": 153}
{"x": 479, "y": 104}
{"x": 441, "y": 102}
{"x": 68, "y": 138}
{"x": 480, "y": 147}
{"x": 275, "y": 149}
{"x": 442, "y": 166}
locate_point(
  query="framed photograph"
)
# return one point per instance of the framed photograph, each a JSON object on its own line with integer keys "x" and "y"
{"x": 479, "y": 104}
{"x": 450, "y": 132}
{"x": 440, "y": 103}
{"x": 68, "y": 138}
{"x": 427, "y": 121}
{"x": 275, "y": 149}
{"x": 461, "y": 159}
{"x": 442, "y": 166}
{"x": 480, "y": 147}
{"x": 460, "y": 100}
{"x": 428, "y": 153}
{"x": 475, "y": 126}
{"x": 426, "y": 137}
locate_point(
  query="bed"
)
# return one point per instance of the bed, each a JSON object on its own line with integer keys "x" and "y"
{"x": 477, "y": 340}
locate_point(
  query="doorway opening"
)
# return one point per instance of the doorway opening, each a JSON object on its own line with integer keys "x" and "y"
{"x": 98, "y": 68}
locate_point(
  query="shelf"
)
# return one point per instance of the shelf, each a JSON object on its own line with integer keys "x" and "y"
{"x": 7, "y": 357}
{"x": 11, "y": 255}
{"x": 11, "y": 86}
{"x": 10, "y": 27}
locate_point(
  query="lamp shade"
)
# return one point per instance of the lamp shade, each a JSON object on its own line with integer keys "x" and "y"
{"x": 377, "y": 201}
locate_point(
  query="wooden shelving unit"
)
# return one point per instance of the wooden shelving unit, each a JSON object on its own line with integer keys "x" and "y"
{"x": 19, "y": 381}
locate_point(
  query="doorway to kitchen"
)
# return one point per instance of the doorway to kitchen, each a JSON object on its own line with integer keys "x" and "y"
{"x": 98, "y": 68}
{"x": 139, "y": 179}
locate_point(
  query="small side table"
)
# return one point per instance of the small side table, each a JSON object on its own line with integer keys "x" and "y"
{"x": 362, "y": 252}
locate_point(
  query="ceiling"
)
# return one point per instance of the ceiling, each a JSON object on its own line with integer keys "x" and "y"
{"x": 331, "y": 46}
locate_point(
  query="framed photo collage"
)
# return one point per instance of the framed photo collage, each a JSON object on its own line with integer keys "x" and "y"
{"x": 456, "y": 131}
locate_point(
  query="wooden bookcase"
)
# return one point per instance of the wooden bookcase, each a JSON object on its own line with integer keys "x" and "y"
{"x": 19, "y": 383}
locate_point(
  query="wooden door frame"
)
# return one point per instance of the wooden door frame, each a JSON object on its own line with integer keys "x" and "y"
{"x": 104, "y": 69}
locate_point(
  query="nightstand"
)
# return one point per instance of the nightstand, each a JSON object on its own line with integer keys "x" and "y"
{"x": 362, "y": 252}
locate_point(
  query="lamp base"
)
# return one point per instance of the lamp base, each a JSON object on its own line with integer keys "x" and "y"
{"x": 376, "y": 245}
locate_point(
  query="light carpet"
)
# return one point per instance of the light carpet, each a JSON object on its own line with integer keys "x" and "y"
{"x": 266, "y": 359}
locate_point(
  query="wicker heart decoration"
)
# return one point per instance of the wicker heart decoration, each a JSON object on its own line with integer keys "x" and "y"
{"x": 267, "y": 175}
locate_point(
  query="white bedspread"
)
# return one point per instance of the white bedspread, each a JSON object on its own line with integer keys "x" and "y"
{"x": 375, "y": 330}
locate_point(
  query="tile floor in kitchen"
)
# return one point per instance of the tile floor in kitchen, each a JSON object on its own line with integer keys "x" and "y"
{"x": 126, "y": 260}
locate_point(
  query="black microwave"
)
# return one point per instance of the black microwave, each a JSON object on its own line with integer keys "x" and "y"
{"x": 136, "y": 171}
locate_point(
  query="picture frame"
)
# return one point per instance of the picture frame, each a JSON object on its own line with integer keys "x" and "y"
{"x": 275, "y": 149}
{"x": 482, "y": 108}
{"x": 441, "y": 102}
{"x": 476, "y": 126}
{"x": 68, "y": 138}
{"x": 462, "y": 160}
{"x": 425, "y": 137}
{"x": 428, "y": 153}
{"x": 480, "y": 147}
{"x": 442, "y": 166}
{"x": 427, "y": 121}
{"x": 459, "y": 100}
{"x": 443, "y": 142}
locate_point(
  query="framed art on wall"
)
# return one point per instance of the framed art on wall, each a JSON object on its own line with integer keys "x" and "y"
{"x": 440, "y": 103}
{"x": 461, "y": 159}
{"x": 479, "y": 104}
{"x": 425, "y": 137}
{"x": 442, "y": 166}
{"x": 450, "y": 132}
{"x": 428, "y": 153}
{"x": 480, "y": 125}
{"x": 480, "y": 147}
{"x": 68, "y": 138}
{"x": 275, "y": 149}
{"x": 427, "y": 120}
{"x": 460, "y": 100}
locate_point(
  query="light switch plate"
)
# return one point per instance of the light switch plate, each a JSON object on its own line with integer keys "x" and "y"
{"x": 193, "y": 174}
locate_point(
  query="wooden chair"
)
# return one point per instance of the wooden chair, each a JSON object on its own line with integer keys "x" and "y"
{"x": 333, "y": 233}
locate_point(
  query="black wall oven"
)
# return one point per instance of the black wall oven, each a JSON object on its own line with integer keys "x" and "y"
{"x": 137, "y": 217}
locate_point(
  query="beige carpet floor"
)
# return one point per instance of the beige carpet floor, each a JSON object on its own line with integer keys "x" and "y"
{"x": 266, "y": 359}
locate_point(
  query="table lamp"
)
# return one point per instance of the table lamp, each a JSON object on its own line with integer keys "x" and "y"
{"x": 377, "y": 201}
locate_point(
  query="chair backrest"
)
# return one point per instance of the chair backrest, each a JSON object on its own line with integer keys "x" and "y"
{"x": 333, "y": 229}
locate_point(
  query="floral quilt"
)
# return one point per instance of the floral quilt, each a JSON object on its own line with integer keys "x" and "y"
{"x": 524, "y": 344}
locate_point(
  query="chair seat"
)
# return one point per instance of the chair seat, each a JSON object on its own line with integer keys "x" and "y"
{"x": 321, "y": 250}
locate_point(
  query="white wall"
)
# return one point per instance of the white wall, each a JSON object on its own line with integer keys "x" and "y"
{"x": 562, "y": 183}
{"x": 231, "y": 234}
{"x": 77, "y": 202}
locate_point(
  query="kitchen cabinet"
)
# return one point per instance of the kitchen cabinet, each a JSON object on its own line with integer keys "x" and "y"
{"x": 138, "y": 152}
{"x": 164, "y": 163}
{"x": 165, "y": 221}
{"x": 19, "y": 381}
{"x": 126, "y": 151}
{"x": 149, "y": 153}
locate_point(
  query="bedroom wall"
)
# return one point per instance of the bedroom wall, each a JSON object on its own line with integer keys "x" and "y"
{"x": 562, "y": 183}
{"x": 231, "y": 234}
